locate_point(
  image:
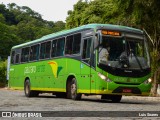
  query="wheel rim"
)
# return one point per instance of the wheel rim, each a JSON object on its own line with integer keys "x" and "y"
{"x": 73, "y": 90}
{"x": 27, "y": 89}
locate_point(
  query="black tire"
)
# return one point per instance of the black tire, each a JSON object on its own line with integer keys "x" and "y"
{"x": 114, "y": 98}
{"x": 68, "y": 90}
{"x": 60, "y": 95}
{"x": 72, "y": 90}
{"x": 27, "y": 90}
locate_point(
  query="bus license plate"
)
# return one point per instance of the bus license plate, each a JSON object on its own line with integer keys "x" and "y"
{"x": 127, "y": 90}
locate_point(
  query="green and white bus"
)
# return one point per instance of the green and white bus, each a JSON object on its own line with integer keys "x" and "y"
{"x": 94, "y": 59}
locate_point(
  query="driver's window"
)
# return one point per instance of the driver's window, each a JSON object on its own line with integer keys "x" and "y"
{"x": 110, "y": 49}
{"x": 87, "y": 49}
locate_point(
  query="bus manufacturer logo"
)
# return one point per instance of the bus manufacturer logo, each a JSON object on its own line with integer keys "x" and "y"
{"x": 128, "y": 71}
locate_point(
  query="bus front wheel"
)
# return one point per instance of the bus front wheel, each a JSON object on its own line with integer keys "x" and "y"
{"x": 72, "y": 90}
{"x": 27, "y": 90}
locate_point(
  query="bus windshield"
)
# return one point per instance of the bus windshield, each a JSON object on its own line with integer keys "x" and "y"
{"x": 124, "y": 52}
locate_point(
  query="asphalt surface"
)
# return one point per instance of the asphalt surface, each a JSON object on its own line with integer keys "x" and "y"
{"x": 134, "y": 107}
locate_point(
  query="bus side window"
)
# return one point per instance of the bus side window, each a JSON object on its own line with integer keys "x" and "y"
{"x": 31, "y": 53}
{"x": 73, "y": 44}
{"x": 37, "y": 52}
{"x": 25, "y": 54}
{"x": 69, "y": 45}
{"x": 34, "y": 52}
{"x": 45, "y": 50}
{"x": 76, "y": 43}
{"x": 17, "y": 58}
{"x": 13, "y": 57}
{"x": 86, "y": 49}
{"x": 60, "y": 47}
{"x": 42, "y": 51}
{"x": 54, "y": 46}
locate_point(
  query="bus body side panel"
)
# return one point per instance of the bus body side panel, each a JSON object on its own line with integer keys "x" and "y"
{"x": 15, "y": 77}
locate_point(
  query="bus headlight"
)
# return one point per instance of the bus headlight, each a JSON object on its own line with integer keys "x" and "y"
{"x": 103, "y": 77}
{"x": 148, "y": 81}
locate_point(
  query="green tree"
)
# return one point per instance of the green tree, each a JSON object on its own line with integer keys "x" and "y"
{"x": 2, "y": 18}
{"x": 75, "y": 16}
{"x": 7, "y": 40}
{"x": 19, "y": 25}
{"x": 22, "y": 24}
{"x": 97, "y": 11}
{"x": 3, "y": 67}
{"x": 59, "y": 25}
{"x": 9, "y": 16}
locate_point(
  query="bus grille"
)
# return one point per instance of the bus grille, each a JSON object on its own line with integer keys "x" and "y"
{"x": 128, "y": 83}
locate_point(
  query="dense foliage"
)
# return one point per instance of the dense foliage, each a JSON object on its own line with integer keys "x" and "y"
{"x": 19, "y": 25}
{"x": 3, "y": 65}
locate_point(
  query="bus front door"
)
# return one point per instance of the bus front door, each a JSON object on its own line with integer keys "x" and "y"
{"x": 87, "y": 84}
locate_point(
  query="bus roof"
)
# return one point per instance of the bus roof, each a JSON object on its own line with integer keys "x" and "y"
{"x": 89, "y": 26}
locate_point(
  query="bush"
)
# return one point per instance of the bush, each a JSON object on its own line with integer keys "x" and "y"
{"x": 3, "y": 68}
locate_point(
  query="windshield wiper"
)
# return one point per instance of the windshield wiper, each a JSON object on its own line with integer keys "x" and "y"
{"x": 131, "y": 51}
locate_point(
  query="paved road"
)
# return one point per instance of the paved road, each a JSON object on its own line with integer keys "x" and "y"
{"x": 14, "y": 100}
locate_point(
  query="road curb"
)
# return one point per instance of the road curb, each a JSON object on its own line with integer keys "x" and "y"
{"x": 144, "y": 98}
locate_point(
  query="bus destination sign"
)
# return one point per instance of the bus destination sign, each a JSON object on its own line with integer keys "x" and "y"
{"x": 113, "y": 33}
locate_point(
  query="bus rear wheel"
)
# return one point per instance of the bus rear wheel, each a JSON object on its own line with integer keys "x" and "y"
{"x": 72, "y": 90}
{"x": 27, "y": 90}
{"x": 114, "y": 98}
